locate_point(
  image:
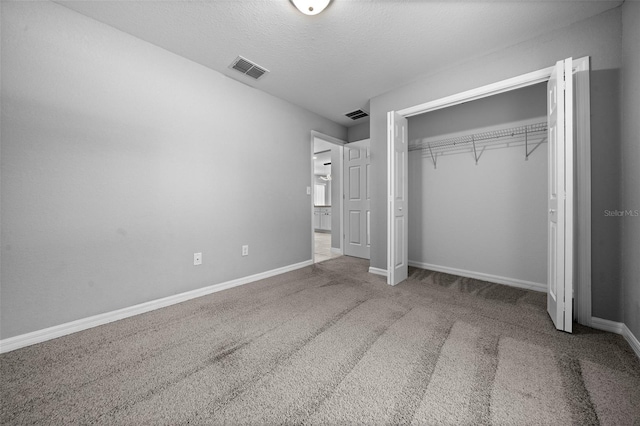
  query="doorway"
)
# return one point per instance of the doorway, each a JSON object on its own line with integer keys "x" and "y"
{"x": 579, "y": 223}
{"x": 326, "y": 197}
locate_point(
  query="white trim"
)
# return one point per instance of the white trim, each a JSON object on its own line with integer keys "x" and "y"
{"x": 17, "y": 342}
{"x": 631, "y": 339}
{"x": 378, "y": 271}
{"x": 390, "y": 181}
{"x": 617, "y": 328}
{"x": 582, "y": 287}
{"x": 569, "y": 214}
{"x": 312, "y": 185}
{"x": 330, "y": 139}
{"x": 606, "y": 325}
{"x": 514, "y": 83}
{"x": 513, "y": 282}
{"x": 335, "y": 250}
{"x": 340, "y": 201}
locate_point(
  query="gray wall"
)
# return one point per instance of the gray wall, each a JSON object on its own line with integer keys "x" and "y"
{"x": 631, "y": 164}
{"x": 120, "y": 160}
{"x": 358, "y": 132}
{"x": 598, "y": 37}
{"x": 489, "y": 218}
{"x": 517, "y": 105}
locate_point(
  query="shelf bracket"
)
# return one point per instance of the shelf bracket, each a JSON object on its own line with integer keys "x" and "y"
{"x": 433, "y": 157}
{"x": 475, "y": 153}
{"x": 528, "y": 153}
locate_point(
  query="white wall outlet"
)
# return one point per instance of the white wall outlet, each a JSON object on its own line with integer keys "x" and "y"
{"x": 245, "y": 250}
{"x": 308, "y": 190}
{"x": 197, "y": 258}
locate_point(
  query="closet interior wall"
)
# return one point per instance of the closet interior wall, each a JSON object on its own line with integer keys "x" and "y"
{"x": 487, "y": 219}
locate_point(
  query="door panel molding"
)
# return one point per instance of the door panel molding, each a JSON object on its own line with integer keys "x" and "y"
{"x": 357, "y": 237}
{"x": 397, "y": 229}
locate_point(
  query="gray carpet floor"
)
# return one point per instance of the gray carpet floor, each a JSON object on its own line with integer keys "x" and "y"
{"x": 331, "y": 344}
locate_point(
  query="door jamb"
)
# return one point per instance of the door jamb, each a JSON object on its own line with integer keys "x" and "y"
{"x": 582, "y": 213}
{"x": 340, "y": 143}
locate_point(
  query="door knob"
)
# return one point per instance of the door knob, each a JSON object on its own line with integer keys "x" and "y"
{"x": 552, "y": 211}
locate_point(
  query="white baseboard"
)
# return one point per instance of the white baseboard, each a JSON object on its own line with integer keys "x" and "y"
{"x": 617, "y": 328}
{"x": 17, "y": 342}
{"x": 606, "y": 325}
{"x": 513, "y": 282}
{"x": 632, "y": 340}
{"x": 335, "y": 250}
{"x": 378, "y": 271}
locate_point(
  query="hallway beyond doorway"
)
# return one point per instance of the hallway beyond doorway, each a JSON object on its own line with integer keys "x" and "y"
{"x": 322, "y": 247}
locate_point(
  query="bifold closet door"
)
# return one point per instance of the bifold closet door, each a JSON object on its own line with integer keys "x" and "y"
{"x": 397, "y": 226}
{"x": 560, "y": 203}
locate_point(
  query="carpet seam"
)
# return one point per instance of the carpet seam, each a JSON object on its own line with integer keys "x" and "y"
{"x": 413, "y": 392}
{"x": 575, "y": 391}
{"x": 242, "y": 387}
{"x": 360, "y": 353}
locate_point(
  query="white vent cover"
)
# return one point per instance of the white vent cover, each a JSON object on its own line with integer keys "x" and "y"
{"x": 249, "y": 68}
{"x": 359, "y": 113}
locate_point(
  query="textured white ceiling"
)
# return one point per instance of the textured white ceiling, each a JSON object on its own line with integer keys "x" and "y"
{"x": 335, "y": 62}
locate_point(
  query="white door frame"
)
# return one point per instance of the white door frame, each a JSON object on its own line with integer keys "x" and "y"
{"x": 582, "y": 213}
{"x": 340, "y": 143}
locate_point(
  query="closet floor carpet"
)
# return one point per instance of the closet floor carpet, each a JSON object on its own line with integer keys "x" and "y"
{"x": 330, "y": 344}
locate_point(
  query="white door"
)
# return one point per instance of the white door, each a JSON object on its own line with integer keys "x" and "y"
{"x": 397, "y": 244}
{"x": 560, "y": 229}
{"x": 357, "y": 194}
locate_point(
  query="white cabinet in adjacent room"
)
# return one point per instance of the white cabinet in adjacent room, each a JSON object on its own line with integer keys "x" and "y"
{"x": 322, "y": 218}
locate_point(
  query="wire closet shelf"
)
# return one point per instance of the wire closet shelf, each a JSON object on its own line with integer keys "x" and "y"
{"x": 530, "y": 135}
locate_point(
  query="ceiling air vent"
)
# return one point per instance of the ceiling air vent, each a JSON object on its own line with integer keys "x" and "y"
{"x": 354, "y": 115}
{"x": 249, "y": 68}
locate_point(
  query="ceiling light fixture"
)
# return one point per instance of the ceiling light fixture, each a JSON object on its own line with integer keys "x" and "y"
{"x": 311, "y": 7}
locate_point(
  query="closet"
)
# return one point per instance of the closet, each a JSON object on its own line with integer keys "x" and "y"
{"x": 477, "y": 188}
